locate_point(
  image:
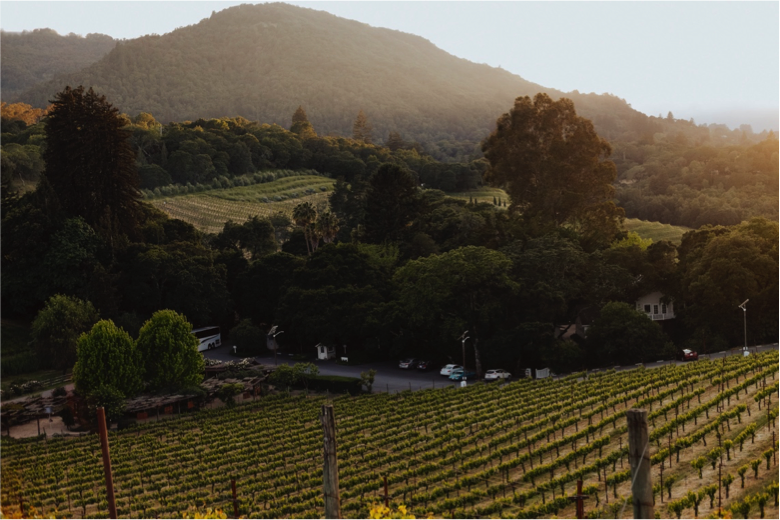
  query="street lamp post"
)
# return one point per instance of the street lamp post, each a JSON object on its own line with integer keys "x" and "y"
{"x": 273, "y": 334}
{"x": 744, "y": 319}
{"x": 463, "y": 339}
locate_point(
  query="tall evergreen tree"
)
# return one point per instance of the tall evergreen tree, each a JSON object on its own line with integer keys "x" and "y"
{"x": 301, "y": 124}
{"x": 362, "y": 129}
{"x": 392, "y": 203}
{"x": 395, "y": 142}
{"x": 90, "y": 163}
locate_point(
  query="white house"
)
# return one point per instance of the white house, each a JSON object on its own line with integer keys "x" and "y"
{"x": 652, "y": 305}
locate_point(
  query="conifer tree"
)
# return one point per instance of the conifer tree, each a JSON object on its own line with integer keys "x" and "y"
{"x": 301, "y": 124}
{"x": 362, "y": 129}
{"x": 90, "y": 162}
{"x": 395, "y": 142}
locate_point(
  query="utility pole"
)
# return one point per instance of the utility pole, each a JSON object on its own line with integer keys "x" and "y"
{"x": 330, "y": 476}
{"x": 106, "y": 462}
{"x": 639, "y": 459}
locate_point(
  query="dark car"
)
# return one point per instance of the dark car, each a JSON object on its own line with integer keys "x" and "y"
{"x": 689, "y": 355}
{"x": 425, "y": 365}
{"x": 461, "y": 374}
{"x": 408, "y": 363}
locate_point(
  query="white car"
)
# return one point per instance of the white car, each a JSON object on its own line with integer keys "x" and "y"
{"x": 447, "y": 369}
{"x": 493, "y": 375}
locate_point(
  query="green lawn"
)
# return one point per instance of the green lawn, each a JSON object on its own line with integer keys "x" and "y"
{"x": 645, "y": 229}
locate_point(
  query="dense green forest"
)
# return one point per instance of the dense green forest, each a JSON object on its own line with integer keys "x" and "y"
{"x": 391, "y": 267}
{"x": 31, "y": 57}
{"x": 680, "y": 174}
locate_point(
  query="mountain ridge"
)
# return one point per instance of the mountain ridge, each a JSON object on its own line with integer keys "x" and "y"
{"x": 262, "y": 61}
{"x": 29, "y": 57}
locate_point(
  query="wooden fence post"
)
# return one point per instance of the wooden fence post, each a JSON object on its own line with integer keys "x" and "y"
{"x": 639, "y": 459}
{"x": 330, "y": 477}
{"x": 106, "y": 462}
{"x": 235, "y": 500}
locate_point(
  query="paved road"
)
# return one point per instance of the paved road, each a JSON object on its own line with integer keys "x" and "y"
{"x": 390, "y": 378}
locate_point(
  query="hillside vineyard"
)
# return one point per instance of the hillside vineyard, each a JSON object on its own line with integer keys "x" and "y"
{"x": 513, "y": 450}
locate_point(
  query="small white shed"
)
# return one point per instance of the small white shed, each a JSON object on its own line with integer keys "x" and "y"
{"x": 325, "y": 352}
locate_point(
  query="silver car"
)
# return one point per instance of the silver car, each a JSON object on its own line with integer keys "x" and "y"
{"x": 447, "y": 369}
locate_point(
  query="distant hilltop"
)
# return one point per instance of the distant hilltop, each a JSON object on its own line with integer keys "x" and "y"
{"x": 31, "y": 57}
{"x": 263, "y": 61}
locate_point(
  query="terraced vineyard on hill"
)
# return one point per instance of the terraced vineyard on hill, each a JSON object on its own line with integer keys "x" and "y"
{"x": 208, "y": 211}
{"x": 513, "y": 450}
{"x": 655, "y": 230}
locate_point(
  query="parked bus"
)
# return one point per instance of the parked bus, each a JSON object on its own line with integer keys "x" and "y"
{"x": 208, "y": 338}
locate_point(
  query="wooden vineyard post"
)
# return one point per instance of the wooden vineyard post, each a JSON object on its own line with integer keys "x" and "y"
{"x": 579, "y": 498}
{"x": 235, "y": 500}
{"x": 720, "y": 483}
{"x": 330, "y": 476}
{"x": 387, "y": 499}
{"x": 106, "y": 462}
{"x": 639, "y": 460}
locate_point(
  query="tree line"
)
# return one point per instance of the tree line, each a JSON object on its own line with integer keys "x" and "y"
{"x": 391, "y": 268}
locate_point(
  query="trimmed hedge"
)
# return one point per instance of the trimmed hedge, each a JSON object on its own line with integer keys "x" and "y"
{"x": 335, "y": 384}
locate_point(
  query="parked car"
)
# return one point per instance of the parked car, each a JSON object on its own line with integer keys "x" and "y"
{"x": 447, "y": 369}
{"x": 496, "y": 374}
{"x": 689, "y": 355}
{"x": 461, "y": 374}
{"x": 408, "y": 363}
{"x": 425, "y": 365}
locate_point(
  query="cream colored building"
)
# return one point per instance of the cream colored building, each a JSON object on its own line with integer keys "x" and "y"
{"x": 656, "y": 309}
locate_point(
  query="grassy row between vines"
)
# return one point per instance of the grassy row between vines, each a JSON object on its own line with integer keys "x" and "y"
{"x": 489, "y": 450}
{"x": 208, "y": 211}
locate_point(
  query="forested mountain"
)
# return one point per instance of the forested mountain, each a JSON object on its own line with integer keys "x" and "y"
{"x": 263, "y": 61}
{"x": 31, "y": 57}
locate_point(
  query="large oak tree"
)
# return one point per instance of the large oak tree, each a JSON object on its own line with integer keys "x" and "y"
{"x": 552, "y": 164}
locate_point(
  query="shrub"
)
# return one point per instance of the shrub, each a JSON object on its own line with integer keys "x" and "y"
{"x": 247, "y": 337}
{"x": 67, "y": 417}
{"x": 227, "y": 393}
{"x": 336, "y": 384}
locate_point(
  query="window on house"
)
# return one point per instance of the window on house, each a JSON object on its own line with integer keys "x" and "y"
{"x": 663, "y": 308}
{"x": 655, "y": 309}
{"x": 647, "y": 308}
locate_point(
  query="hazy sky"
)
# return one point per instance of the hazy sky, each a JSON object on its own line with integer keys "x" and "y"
{"x": 713, "y": 61}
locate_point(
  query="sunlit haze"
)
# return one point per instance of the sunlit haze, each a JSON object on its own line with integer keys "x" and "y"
{"x": 716, "y": 62}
